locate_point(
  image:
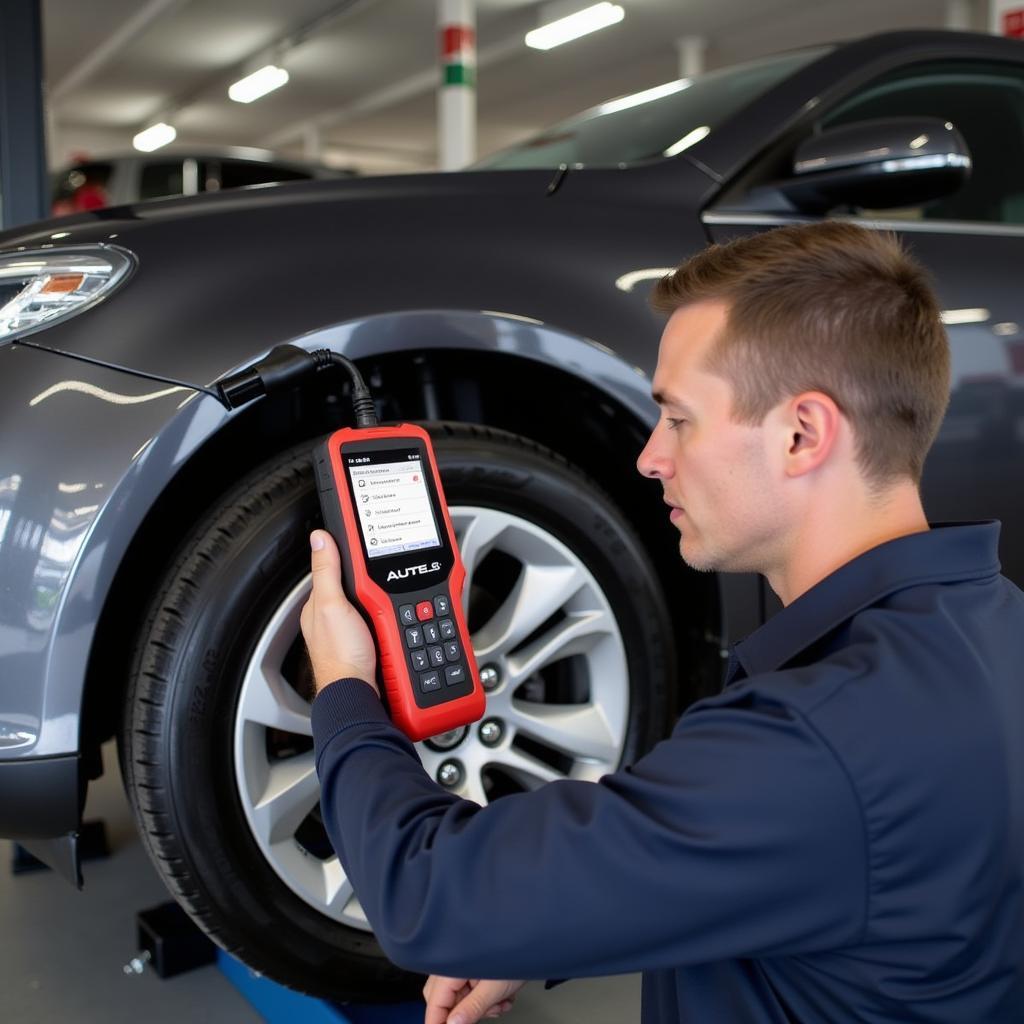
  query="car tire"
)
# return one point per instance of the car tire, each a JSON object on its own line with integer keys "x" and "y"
{"x": 183, "y": 735}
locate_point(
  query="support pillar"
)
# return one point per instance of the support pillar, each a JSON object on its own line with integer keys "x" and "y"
{"x": 23, "y": 182}
{"x": 691, "y": 50}
{"x": 456, "y": 99}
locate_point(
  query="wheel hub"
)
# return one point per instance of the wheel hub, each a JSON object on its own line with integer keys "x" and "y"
{"x": 552, "y": 662}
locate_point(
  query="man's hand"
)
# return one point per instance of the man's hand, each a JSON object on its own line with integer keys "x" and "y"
{"x": 464, "y": 1001}
{"x": 337, "y": 638}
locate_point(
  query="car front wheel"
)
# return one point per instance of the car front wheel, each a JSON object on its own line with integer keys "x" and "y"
{"x": 569, "y": 630}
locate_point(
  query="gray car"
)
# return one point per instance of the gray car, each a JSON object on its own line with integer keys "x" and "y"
{"x": 153, "y": 554}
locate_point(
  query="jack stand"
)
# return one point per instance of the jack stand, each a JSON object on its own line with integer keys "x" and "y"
{"x": 168, "y": 939}
{"x": 171, "y": 943}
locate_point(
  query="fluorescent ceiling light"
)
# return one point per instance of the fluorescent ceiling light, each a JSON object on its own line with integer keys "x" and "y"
{"x": 155, "y": 137}
{"x": 627, "y": 282}
{"x": 258, "y": 84}
{"x": 964, "y": 316}
{"x": 575, "y": 25}
{"x": 636, "y": 98}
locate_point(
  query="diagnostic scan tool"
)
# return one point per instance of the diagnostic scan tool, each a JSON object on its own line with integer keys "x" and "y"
{"x": 382, "y": 501}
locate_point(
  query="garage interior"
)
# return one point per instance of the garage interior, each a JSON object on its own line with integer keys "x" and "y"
{"x": 370, "y": 89}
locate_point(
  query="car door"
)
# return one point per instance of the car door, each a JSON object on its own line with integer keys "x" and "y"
{"x": 973, "y": 243}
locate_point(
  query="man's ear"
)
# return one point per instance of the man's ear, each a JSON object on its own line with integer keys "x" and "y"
{"x": 812, "y": 427}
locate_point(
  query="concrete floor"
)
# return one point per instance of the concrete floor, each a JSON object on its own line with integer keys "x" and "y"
{"x": 63, "y": 951}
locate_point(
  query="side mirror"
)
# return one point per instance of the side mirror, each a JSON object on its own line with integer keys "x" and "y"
{"x": 879, "y": 164}
{"x": 889, "y": 162}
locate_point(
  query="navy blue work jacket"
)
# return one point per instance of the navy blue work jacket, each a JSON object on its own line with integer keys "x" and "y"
{"x": 837, "y": 836}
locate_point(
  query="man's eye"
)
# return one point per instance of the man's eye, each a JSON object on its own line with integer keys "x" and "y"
{"x": 672, "y": 424}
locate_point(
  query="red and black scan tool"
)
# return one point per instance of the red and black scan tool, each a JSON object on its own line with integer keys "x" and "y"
{"x": 382, "y": 501}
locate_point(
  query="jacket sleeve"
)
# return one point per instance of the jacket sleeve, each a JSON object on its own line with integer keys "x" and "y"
{"x": 738, "y": 836}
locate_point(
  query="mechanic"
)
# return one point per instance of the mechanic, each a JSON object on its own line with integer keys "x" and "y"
{"x": 839, "y": 834}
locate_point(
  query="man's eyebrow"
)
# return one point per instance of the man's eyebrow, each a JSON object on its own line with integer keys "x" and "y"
{"x": 664, "y": 398}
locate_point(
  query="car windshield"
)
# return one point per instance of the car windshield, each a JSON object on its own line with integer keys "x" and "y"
{"x": 658, "y": 122}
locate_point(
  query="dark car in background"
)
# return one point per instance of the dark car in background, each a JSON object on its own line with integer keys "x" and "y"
{"x": 153, "y": 553}
{"x": 93, "y": 184}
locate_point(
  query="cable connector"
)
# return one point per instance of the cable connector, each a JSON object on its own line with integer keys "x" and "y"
{"x": 362, "y": 400}
{"x": 286, "y": 365}
{"x": 283, "y": 365}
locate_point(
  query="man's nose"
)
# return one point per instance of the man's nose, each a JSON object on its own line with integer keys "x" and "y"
{"x": 651, "y": 462}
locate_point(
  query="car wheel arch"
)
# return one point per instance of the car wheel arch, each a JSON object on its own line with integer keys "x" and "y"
{"x": 580, "y": 407}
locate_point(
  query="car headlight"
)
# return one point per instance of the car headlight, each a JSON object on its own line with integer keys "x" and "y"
{"x": 45, "y": 287}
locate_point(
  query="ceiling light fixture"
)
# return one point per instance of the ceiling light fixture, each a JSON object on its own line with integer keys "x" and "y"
{"x": 155, "y": 137}
{"x": 259, "y": 83}
{"x": 590, "y": 19}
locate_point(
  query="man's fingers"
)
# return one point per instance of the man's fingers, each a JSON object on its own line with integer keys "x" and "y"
{"x": 441, "y": 994}
{"x": 326, "y": 563}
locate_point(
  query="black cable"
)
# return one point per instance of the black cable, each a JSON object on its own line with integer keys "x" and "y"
{"x": 362, "y": 401}
{"x": 214, "y": 393}
{"x": 286, "y": 365}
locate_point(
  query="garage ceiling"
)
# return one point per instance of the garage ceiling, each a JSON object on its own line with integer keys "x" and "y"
{"x": 363, "y": 72}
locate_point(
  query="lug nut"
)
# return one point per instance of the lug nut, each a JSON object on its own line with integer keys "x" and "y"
{"x": 491, "y": 732}
{"x": 448, "y": 740}
{"x": 490, "y": 677}
{"x": 450, "y": 774}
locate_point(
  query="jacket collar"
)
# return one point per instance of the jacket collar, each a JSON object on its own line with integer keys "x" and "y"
{"x": 947, "y": 553}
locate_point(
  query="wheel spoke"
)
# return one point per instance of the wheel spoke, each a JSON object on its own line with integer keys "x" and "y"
{"x": 477, "y": 535}
{"x": 473, "y": 788}
{"x": 528, "y": 770}
{"x": 581, "y": 731}
{"x": 577, "y": 634}
{"x": 270, "y": 701}
{"x": 338, "y": 889}
{"x": 538, "y": 593}
{"x": 291, "y": 792}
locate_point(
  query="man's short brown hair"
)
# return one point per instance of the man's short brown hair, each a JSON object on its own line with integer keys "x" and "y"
{"x": 828, "y": 307}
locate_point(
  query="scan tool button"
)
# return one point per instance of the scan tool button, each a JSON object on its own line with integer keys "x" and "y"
{"x": 414, "y": 637}
{"x": 430, "y": 681}
{"x": 419, "y": 659}
{"x": 430, "y": 631}
{"x": 447, "y": 629}
{"x": 407, "y": 615}
{"x": 424, "y": 611}
{"x": 442, "y": 605}
{"x": 454, "y": 674}
{"x": 436, "y": 656}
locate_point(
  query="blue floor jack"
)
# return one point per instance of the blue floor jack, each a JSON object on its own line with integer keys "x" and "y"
{"x": 170, "y": 943}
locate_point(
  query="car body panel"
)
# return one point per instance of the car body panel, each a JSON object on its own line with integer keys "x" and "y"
{"x": 358, "y": 248}
{"x": 72, "y": 499}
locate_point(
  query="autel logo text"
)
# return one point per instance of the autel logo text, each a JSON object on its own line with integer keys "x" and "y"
{"x": 413, "y": 570}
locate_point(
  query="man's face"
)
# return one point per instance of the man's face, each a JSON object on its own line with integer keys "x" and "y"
{"x": 718, "y": 475}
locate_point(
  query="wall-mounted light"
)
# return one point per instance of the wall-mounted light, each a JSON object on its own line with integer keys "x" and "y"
{"x": 155, "y": 137}
{"x": 259, "y": 83}
{"x": 582, "y": 23}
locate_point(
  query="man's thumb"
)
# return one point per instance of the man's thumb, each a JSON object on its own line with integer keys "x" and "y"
{"x": 471, "y": 1009}
{"x": 326, "y": 563}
